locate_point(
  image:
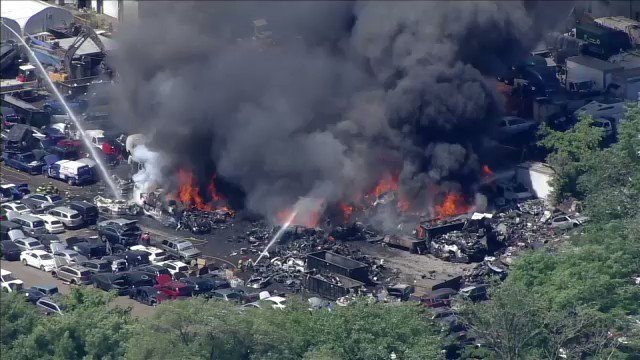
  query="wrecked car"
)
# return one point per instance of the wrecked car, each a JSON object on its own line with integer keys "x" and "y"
{"x": 115, "y": 207}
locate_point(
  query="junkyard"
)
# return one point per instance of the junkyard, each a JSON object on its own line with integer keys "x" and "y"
{"x": 174, "y": 203}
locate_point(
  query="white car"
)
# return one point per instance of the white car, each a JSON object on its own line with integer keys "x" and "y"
{"x": 9, "y": 283}
{"x": 17, "y": 207}
{"x": 28, "y": 244}
{"x": 156, "y": 255}
{"x": 276, "y": 302}
{"x": 53, "y": 225}
{"x": 96, "y": 137}
{"x": 38, "y": 259}
{"x": 175, "y": 267}
{"x": 15, "y": 234}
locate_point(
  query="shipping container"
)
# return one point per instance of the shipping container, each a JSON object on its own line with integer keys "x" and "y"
{"x": 602, "y": 42}
{"x": 328, "y": 262}
{"x": 331, "y": 290}
{"x": 624, "y": 24}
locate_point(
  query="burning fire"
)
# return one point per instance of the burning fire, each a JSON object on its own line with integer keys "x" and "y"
{"x": 190, "y": 195}
{"x": 486, "y": 171}
{"x": 453, "y": 204}
{"x": 389, "y": 182}
{"x": 347, "y": 210}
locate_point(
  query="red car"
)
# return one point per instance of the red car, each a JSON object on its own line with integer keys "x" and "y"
{"x": 173, "y": 289}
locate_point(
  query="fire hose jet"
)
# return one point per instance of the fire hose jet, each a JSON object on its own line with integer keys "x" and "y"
{"x": 277, "y": 236}
{"x": 83, "y": 136}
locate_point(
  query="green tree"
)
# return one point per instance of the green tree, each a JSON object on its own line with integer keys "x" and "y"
{"x": 17, "y": 319}
{"x": 201, "y": 329}
{"x": 569, "y": 152}
{"x": 91, "y": 328}
{"x": 611, "y": 181}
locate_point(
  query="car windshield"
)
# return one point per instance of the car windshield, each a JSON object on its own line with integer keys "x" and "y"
{"x": 183, "y": 268}
{"x": 85, "y": 273}
{"x": 233, "y": 296}
{"x": 20, "y": 207}
{"x": 75, "y": 216}
{"x": 159, "y": 253}
{"x": 186, "y": 247}
{"x": 56, "y": 222}
{"x": 38, "y": 224}
{"x": 46, "y": 257}
{"x": 55, "y": 198}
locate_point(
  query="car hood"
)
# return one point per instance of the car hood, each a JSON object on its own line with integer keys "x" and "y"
{"x": 191, "y": 252}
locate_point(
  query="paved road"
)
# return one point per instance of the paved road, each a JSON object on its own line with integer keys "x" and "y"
{"x": 32, "y": 276}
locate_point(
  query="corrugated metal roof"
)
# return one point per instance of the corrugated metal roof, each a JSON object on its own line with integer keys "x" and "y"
{"x": 594, "y": 63}
{"x": 22, "y": 10}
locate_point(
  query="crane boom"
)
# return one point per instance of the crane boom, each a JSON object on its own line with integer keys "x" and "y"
{"x": 86, "y": 32}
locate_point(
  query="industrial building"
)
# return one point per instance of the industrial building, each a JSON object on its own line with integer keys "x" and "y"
{"x": 32, "y": 17}
{"x": 585, "y": 68}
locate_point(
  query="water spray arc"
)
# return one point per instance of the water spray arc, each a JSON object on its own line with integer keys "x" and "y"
{"x": 83, "y": 136}
{"x": 278, "y": 234}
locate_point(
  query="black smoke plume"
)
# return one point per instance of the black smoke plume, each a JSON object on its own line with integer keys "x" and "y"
{"x": 340, "y": 94}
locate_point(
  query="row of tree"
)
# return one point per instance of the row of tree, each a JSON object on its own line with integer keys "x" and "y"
{"x": 93, "y": 328}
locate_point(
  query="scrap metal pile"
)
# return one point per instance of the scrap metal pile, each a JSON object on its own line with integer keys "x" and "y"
{"x": 285, "y": 263}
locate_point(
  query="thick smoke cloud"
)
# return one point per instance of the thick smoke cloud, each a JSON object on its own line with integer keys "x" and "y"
{"x": 348, "y": 92}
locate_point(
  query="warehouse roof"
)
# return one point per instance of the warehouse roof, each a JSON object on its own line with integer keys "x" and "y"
{"x": 21, "y": 11}
{"x": 594, "y": 63}
{"x": 88, "y": 47}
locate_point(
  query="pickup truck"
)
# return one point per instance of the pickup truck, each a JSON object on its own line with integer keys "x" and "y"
{"x": 25, "y": 162}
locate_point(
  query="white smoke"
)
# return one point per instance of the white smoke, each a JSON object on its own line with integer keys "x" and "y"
{"x": 149, "y": 175}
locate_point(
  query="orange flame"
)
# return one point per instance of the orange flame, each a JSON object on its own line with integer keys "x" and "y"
{"x": 190, "y": 195}
{"x": 388, "y": 182}
{"x": 486, "y": 171}
{"x": 347, "y": 210}
{"x": 403, "y": 204}
{"x": 452, "y": 205}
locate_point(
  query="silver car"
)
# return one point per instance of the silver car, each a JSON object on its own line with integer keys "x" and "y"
{"x": 68, "y": 257}
{"x": 73, "y": 274}
{"x": 69, "y": 217}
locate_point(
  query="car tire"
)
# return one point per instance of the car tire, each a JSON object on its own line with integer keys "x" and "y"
{"x": 54, "y": 274}
{"x": 73, "y": 282}
{"x": 103, "y": 238}
{"x": 41, "y": 267}
{"x": 24, "y": 262}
